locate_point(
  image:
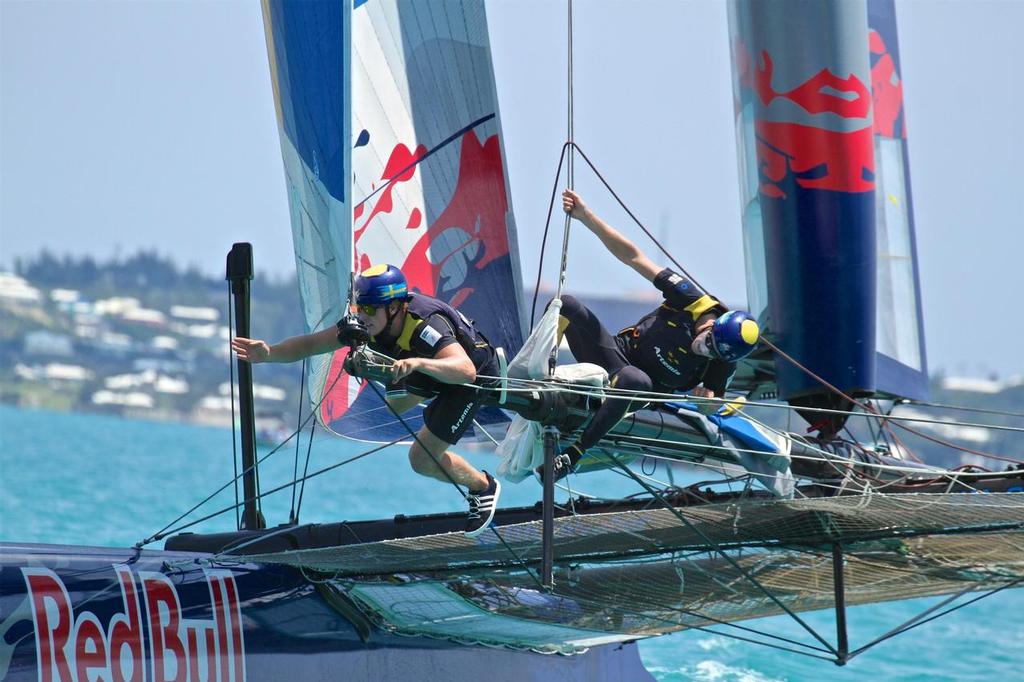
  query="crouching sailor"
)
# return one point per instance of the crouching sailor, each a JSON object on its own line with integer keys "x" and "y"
{"x": 690, "y": 343}
{"x": 438, "y": 351}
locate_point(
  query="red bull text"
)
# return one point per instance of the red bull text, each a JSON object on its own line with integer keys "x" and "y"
{"x": 149, "y": 639}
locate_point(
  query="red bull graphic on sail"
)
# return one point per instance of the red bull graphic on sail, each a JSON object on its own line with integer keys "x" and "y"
{"x": 148, "y": 639}
{"x": 815, "y": 156}
{"x": 451, "y": 257}
{"x": 803, "y": 94}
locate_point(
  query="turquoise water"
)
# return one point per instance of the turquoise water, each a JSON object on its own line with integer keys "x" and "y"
{"x": 87, "y": 479}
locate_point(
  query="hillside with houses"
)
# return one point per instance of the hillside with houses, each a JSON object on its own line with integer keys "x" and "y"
{"x": 138, "y": 338}
{"x": 145, "y": 339}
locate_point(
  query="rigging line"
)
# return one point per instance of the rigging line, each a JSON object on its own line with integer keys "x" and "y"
{"x": 940, "y": 441}
{"x": 673, "y": 398}
{"x": 419, "y": 442}
{"x": 259, "y": 461}
{"x": 544, "y": 239}
{"x": 515, "y": 557}
{"x": 915, "y": 622}
{"x": 162, "y": 534}
{"x": 485, "y": 432}
{"x": 231, "y": 380}
{"x": 305, "y": 469}
{"x": 292, "y": 513}
{"x": 657, "y": 605}
{"x": 635, "y": 219}
{"x": 444, "y": 143}
{"x": 710, "y": 543}
{"x": 698, "y": 614}
{"x": 530, "y": 385}
{"x": 567, "y": 227}
{"x": 959, "y": 408}
{"x": 651, "y": 396}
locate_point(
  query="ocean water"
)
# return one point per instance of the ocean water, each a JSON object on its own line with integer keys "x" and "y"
{"x": 88, "y": 479}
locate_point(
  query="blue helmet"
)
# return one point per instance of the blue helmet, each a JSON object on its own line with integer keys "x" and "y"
{"x": 380, "y": 285}
{"x": 734, "y": 335}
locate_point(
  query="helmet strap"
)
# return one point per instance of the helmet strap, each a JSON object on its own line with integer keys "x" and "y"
{"x": 390, "y": 317}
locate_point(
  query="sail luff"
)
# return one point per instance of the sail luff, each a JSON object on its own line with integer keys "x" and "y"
{"x": 902, "y": 364}
{"x": 307, "y": 44}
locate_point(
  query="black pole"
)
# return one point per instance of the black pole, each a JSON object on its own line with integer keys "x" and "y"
{"x": 239, "y": 273}
{"x": 548, "y": 510}
{"x": 839, "y": 589}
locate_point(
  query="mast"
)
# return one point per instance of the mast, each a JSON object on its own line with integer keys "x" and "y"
{"x": 239, "y": 273}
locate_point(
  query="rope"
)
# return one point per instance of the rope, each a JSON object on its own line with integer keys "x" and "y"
{"x": 163, "y": 531}
{"x": 961, "y": 409}
{"x": 544, "y": 238}
{"x": 293, "y": 516}
{"x": 866, "y": 408}
{"x": 515, "y": 557}
{"x": 305, "y": 469}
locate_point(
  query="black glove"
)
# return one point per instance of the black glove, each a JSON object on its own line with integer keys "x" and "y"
{"x": 352, "y": 332}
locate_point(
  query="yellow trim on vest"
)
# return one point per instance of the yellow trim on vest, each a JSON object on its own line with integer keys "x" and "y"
{"x": 374, "y": 270}
{"x": 750, "y": 332}
{"x": 563, "y": 324}
{"x": 701, "y": 306}
{"x": 408, "y": 328}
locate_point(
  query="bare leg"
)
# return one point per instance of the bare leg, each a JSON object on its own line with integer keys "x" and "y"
{"x": 457, "y": 468}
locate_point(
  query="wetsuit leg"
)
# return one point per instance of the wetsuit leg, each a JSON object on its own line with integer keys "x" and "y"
{"x": 588, "y": 340}
{"x": 612, "y": 410}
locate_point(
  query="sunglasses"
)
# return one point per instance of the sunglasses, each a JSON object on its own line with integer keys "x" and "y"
{"x": 704, "y": 345}
{"x": 368, "y": 310}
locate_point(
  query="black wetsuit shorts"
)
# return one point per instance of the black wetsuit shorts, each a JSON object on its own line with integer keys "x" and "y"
{"x": 453, "y": 407}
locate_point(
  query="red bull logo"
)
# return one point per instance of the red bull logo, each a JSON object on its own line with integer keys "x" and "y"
{"x": 811, "y": 155}
{"x": 469, "y": 236}
{"x": 147, "y": 640}
{"x": 471, "y": 233}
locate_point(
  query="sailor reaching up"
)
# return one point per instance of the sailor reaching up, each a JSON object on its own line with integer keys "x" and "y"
{"x": 437, "y": 352}
{"x": 689, "y": 343}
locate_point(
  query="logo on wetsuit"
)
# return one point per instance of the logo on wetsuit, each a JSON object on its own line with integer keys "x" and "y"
{"x": 462, "y": 417}
{"x": 668, "y": 365}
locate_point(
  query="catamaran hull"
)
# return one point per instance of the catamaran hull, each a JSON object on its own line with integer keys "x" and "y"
{"x": 84, "y": 613}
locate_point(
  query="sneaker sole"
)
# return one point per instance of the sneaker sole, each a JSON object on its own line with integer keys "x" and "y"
{"x": 490, "y": 517}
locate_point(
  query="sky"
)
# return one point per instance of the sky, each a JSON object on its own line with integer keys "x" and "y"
{"x": 150, "y": 125}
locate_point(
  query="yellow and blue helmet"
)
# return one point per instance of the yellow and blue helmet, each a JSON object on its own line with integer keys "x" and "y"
{"x": 734, "y": 335}
{"x": 380, "y": 285}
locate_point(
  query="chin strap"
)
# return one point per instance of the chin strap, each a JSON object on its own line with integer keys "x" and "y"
{"x": 390, "y": 317}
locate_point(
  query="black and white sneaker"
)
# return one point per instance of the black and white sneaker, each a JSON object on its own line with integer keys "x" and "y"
{"x": 564, "y": 463}
{"x": 482, "y": 506}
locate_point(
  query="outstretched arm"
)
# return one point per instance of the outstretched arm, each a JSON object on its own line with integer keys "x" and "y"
{"x": 620, "y": 247}
{"x": 289, "y": 350}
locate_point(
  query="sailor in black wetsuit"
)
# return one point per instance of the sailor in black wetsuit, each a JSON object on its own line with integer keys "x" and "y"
{"x": 689, "y": 343}
{"x": 437, "y": 351}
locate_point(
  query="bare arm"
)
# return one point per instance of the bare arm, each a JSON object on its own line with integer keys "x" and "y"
{"x": 620, "y": 247}
{"x": 289, "y": 350}
{"x": 451, "y": 365}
